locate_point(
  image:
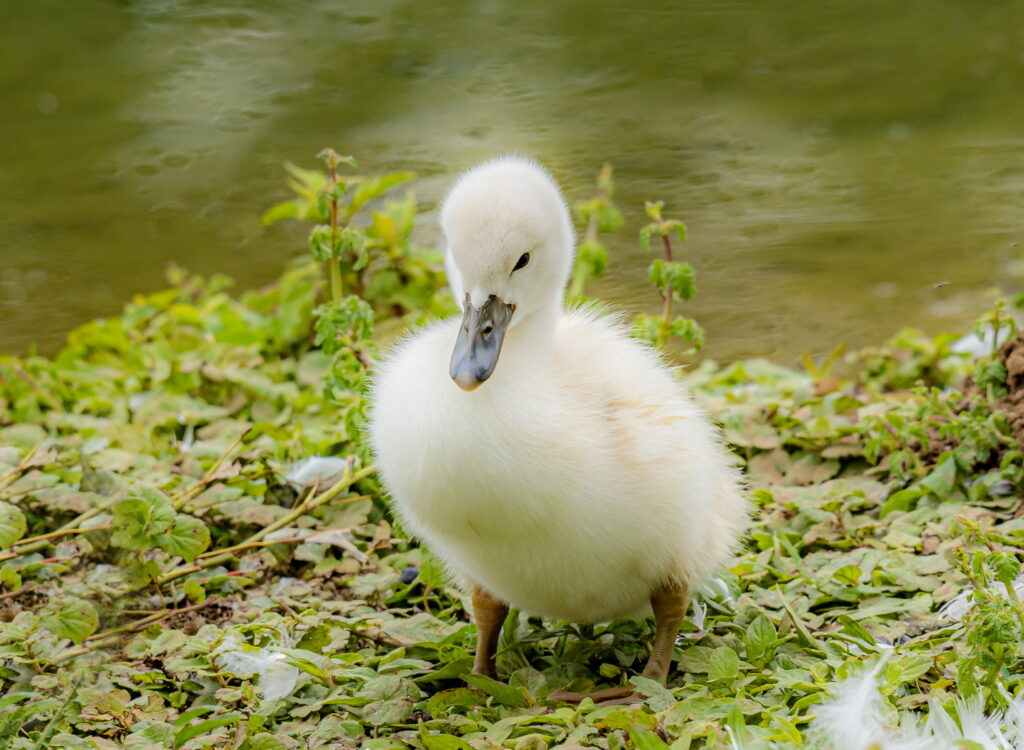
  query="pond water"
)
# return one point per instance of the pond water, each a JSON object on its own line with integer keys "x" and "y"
{"x": 845, "y": 168}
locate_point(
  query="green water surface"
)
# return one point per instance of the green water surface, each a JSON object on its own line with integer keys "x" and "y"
{"x": 845, "y": 168}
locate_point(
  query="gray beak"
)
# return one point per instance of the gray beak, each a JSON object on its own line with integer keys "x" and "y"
{"x": 479, "y": 342}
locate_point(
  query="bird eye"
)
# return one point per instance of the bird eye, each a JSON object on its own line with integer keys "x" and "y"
{"x": 523, "y": 261}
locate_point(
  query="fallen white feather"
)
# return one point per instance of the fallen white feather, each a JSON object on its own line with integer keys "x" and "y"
{"x": 275, "y": 677}
{"x": 321, "y": 470}
{"x": 852, "y": 720}
{"x": 859, "y": 718}
{"x": 955, "y": 609}
{"x": 981, "y": 346}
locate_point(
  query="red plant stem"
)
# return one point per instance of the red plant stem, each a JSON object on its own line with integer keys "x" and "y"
{"x": 668, "y": 293}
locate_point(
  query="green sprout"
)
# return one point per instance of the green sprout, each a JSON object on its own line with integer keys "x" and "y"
{"x": 600, "y": 216}
{"x": 674, "y": 281}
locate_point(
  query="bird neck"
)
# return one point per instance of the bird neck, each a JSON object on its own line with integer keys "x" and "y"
{"x": 533, "y": 339}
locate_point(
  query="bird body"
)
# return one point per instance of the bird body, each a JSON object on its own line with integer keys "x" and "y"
{"x": 551, "y": 462}
{"x": 571, "y": 488}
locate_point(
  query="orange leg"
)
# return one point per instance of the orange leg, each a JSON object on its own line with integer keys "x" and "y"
{"x": 488, "y": 613}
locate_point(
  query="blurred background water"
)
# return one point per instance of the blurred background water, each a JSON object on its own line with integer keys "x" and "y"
{"x": 837, "y": 162}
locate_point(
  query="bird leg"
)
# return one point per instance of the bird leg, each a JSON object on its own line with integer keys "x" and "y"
{"x": 488, "y": 613}
{"x": 669, "y": 603}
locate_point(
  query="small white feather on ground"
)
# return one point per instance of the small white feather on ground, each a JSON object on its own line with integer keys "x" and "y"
{"x": 956, "y": 608}
{"x": 859, "y": 718}
{"x": 276, "y": 678}
{"x": 321, "y": 470}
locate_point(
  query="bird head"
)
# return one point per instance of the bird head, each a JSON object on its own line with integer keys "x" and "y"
{"x": 509, "y": 255}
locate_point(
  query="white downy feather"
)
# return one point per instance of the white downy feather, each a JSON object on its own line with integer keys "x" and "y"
{"x": 321, "y": 470}
{"x": 956, "y": 608}
{"x": 275, "y": 677}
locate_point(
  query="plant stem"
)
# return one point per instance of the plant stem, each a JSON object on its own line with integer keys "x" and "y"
{"x": 135, "y": 627}
{"x": 75, "y": 523}
{"x": 55, "y": 534}
{"x": 182, "y": 498}
{"x": 335, "y": 265}
{"x": 335, "y": 261}
{"x": 22, "y": 466}
{"x": 347, "y": 480}
{"x": 1018, "y": 606}
{"x": 667, "y": 295}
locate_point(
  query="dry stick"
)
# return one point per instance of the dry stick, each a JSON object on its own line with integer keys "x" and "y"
{"x": 311, "y": 504}
{"x": 22, "y": 466}
{"x": 282, "y": 540}
{"x": 62, "y": 532}
{"x": 135, "y": 627}
{"x": 16, "y": 592}
{"x": 182, "y": 498}
{"x": 74, "y": 523}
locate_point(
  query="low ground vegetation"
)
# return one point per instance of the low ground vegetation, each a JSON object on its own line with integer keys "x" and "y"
{"x": 194, "y": 551}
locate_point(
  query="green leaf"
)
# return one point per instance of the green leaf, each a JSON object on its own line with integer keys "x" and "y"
{"x": 281, "y": 211}
{"x": 443, "y": 741}
{"x": 12, "y": 525}
{"x": 187, "y": 538}
{"x": 1005, "y": 566}
{"x": 942, "y": 479}
{"x": 724, "y": 664}
{"x": 155, "y": 733}
{"x": 204, "y": 727}
{"x": 139, "y": 520}
{"x": 372, "y": 187}
{"x": 853, "y": 628}
{"x": 659, "y": 698}
{"x": 849, "y": 575}
{"x": 907, "y": 668}
{"x": 644, "y": 739}
{"x": 432, "y": 573}
{"x": 194, "y": 591}
{"x": 10, "y": 579}
{"x": 264, "y": 741}
{"x": 645, "y": 236}
{"x": 787, "y": 729}
{"x": 900, "y": 500}
{"x": 505, "y": 695}
{"x": 760, "y": 640}
{"x": 77, "y": 619}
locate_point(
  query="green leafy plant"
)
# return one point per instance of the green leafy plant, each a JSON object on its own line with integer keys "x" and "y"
{"x": 367, "y": 252}
{"x": 674, "y": 281}
{"x": 598, "y": 215}
{"x": 168, "y": 579}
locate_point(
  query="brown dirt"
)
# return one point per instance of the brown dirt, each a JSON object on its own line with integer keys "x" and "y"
{"x": 1012, "y": 354}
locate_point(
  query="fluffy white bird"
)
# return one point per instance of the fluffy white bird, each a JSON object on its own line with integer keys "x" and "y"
{"x": 573, "y": 477}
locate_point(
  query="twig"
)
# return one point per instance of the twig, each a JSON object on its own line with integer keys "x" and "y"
{"x": 62, "y": 532}
{"x": 135, "y": 627}
{"x": 283, "y": 540}
{"x": 74, "y": 523}
{"x": 16, "y": 592}
{"x": 182, "y": 498}
{"x": 22, "y": 466}
{"x": 347, "y": 480}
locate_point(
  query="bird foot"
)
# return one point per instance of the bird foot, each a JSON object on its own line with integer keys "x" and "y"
{"x": 608, "y": 697}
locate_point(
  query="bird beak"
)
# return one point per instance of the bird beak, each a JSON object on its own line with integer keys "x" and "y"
{"x": 479, "y": 342}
